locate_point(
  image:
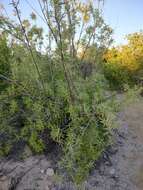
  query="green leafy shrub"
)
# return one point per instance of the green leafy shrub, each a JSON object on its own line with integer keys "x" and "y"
{"x": 124, "y": 64}
{"x": 49, "y": 100}
{"x": 118, "y": 76}
{"x": 5, "y": 60}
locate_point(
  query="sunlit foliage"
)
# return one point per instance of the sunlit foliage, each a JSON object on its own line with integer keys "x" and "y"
{"x": 124, "y": 64}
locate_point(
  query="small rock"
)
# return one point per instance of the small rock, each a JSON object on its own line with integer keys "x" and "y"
{"x": 108, "y": 164}
{"x": 42, "y": 171}
{"x": 50, "y": 172}
{"x": 112, "y": 172}
{"x": 116, "y": 178}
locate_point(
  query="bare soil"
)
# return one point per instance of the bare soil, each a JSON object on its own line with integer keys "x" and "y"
{"x": 120, "y": 168}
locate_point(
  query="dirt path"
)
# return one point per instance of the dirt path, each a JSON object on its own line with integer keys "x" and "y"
{"x": 130, "y": 155}
{"x": 121, "y": 167}
{"x": 126, "y": 171}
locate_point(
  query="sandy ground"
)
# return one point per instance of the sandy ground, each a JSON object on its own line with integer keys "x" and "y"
{"x": 121, "y": 167}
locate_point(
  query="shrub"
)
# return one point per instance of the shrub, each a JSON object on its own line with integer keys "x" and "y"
{"x": 117, "y": 76}
{"x": 49, "y": 101}
{"x": 5, "y": 60}
{"x": 123, "y": 65}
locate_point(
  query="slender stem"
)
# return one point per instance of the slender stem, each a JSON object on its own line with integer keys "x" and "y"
{"x": 49, "y": 25}
{"x": 35, "y": 11}
{"x": 80, "y": 34}
{"x": 62, "y": 55}
{"x": 28, "y": 44}
{"x": 72, "y": 47}
{"x": 87, "y": 45}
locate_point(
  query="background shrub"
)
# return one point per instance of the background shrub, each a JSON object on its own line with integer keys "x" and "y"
{"x": 118, "y": 76}
{"x": 124, "y": 64}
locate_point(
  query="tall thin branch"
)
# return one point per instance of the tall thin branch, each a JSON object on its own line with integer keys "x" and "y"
{"x": 80, "y": 35}
{"x": 15, "y": 5}
{"x": 36, "y": 11}
{"x": 47, "y": 21}
{"x": 62, "y": 54}
{"x": 72, "y": 47}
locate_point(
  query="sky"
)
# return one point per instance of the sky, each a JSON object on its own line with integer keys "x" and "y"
{"x": 124, "y": 16}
